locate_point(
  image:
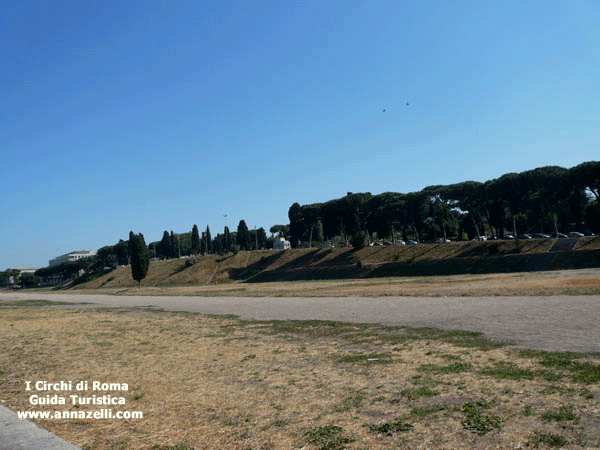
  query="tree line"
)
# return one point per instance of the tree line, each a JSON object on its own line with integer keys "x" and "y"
{"x": 136, "y": 252}
{"x": 548, "y": 199}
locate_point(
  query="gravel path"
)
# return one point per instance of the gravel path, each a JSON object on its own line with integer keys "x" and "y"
{"x": 556, "y": 323}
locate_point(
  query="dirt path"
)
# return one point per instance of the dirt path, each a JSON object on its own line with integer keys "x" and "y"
{"x": 557, "y": 323}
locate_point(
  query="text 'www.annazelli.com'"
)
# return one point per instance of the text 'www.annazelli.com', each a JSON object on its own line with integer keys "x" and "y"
{"x": 70, "y": 414}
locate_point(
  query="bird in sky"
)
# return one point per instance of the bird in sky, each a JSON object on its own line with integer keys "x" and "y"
{"x": 384, "y": 110}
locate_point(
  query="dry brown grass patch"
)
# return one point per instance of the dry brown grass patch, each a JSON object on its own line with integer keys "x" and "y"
{"x": 219, "y": 382}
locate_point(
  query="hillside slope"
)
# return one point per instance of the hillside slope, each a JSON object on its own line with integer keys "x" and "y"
{"x": 337, "y": 263}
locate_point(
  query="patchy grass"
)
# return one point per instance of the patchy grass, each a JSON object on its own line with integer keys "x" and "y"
{"x": 389, "y": 428}
{"x": 508, "y": 370}
{"x": 549, "y": 439}
{"x": 220, "y": 382}
{"x": 587, "y": 371}
{"x": 328, "y": 437}
{"x": 34, "y": 302}
{"x": 456, "y": 367}
{"x": 564, "y": 413}
{"x": 478, "y": 422}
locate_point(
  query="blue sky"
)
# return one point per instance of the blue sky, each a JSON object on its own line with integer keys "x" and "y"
{"x": 158, "y": 115}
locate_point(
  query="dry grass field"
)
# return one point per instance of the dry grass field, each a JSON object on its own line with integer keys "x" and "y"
{"x": 206, "y": 382}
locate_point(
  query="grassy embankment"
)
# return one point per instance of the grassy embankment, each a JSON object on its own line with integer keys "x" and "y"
{"x": 450, "y": 270}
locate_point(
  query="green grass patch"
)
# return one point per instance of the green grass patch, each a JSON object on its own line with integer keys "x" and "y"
{"x": 508, "y": 370}
{"x": 328, "y": 437}
{"x": 476, "y": 421}
{"x": 421, "y": 412}
{"x": 456, "y": 367}
{"x": 586, "y": 372}
{"x": 375, "y": 358}
{"x": 352, "y": 402}
{"x": 581, "y": 372}
{"x": 563, "y": 414}
{"x": 549, "y": 439}
{"x": 37, "y": 303}
{"x": 459, "y": 338}
{"x": 418, "y": 392}
{"x": 389, "y": 428}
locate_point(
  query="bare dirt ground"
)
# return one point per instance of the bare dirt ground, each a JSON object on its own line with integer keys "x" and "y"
{"x": 554, "y": 323}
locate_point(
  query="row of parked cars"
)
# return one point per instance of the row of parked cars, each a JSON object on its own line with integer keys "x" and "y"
{"x": 572, "y": 235}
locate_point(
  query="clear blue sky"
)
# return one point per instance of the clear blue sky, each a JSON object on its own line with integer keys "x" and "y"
{"x": 158, "y": 115}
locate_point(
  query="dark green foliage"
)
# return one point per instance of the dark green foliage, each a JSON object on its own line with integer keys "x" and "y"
{"x": 228, "y": 241}
{"x": 564, "y": 413}
{"x": 261, "y": 235}
{"x": 195, "y": 240}
{"x": 476, "y": 421}
{"x": 328, "y": 437}
{"x": 165, "y": 246}
{"x": 138, "y": 254}
{"x": 297, "y": 224}
{"x": 546, "y": 199}
{"x": 29, "y": 280}
{"x": 280, "y": 230}
{"x": 359, "y": 240}
{"x": 390, "y": 428}
{"x": 173, "y": 245}
{"x": 209, "y": 243}
{"x": 243, "y": 236}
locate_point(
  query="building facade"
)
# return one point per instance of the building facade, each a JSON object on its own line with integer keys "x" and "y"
{"x": 281, "y": 244}
{"x": 72, "y": 256}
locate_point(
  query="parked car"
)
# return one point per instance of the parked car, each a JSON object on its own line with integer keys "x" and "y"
{"x": 575, "y": 234}
{"x": 411, "y": 242}
{"x": 524, "y": 236}
{"x": 559, "y": 235}
{"x": 480, "y": 238}
{"x": 508, "y": 236}
{"x": 400, "y": 243}
{"x": 441, "y": 240}
{"x": 540, "y": 236}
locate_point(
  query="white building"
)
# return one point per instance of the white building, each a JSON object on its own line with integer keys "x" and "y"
{"x": 72, "y": 256}
{"x": 281, "y": 244}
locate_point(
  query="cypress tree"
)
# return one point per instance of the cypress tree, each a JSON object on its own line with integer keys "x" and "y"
{"x": 209, "y": 243}
{"x": 227, "y": 241}
{"x": 140, "y": 259}
{"x": 243, "y": 236}
{"x": 174, "y": 250}
{"x": 165, "y": 245}
{"x": 195, "y": 240}
{"x": 203, "y": 248}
